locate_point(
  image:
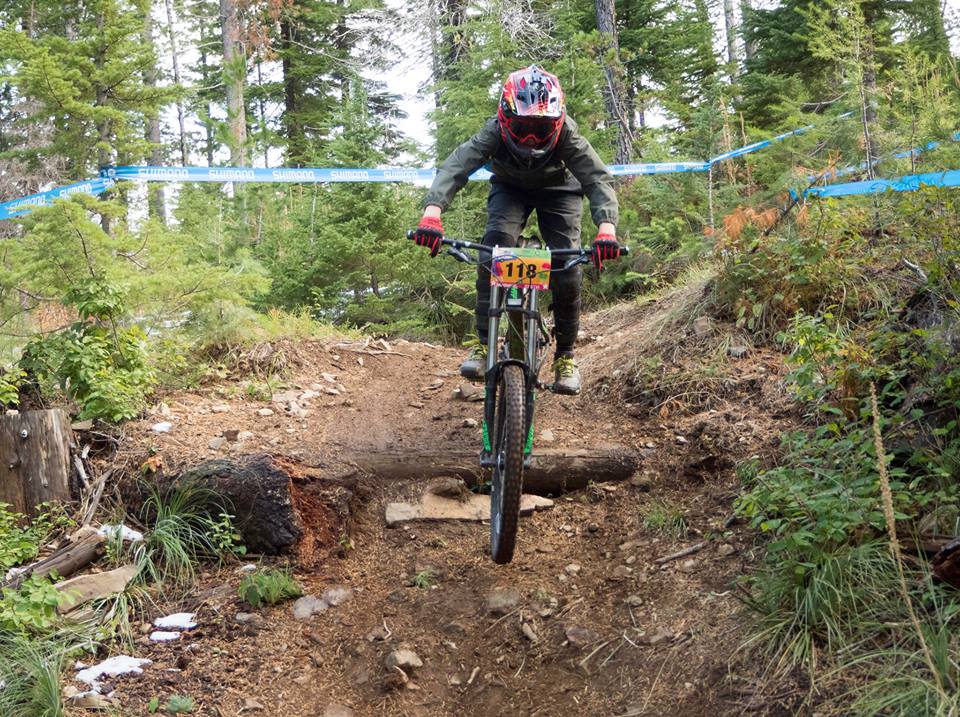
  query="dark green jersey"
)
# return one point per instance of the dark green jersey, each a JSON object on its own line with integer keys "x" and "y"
{"x": 573, "y": 155}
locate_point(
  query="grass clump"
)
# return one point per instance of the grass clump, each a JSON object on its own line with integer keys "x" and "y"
{"x": 268, "y": 586}
{"x": 665, "y": 519}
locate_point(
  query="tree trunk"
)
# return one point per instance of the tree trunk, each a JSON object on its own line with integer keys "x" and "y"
{"x": 553, "y": 471}
{"x": 35, "y": 459}
{"x": 730, "y": 23}
{"x": 614, "y": 93}
{"x": 292, "y": 92}
{"x": 156, "y": 199}
{"x": 175, "y": 58}
{"x": 104, "y": 126}
{"x": 234, "y": 77}
{"x": 749, "y": 46}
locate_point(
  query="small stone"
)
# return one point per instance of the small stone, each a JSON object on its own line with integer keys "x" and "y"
{"x": 502, "y": 600}
{"x": 641, "y": 483}
{"x": 634, "y": 601}
{"x": 162, "y": 427}
{"x": 252, "y": 705}
{"x": 331, "y": 391}
{"x": 247, "y": 618}
{"x": 682, "y": 440}
{"x": 244, "y": 436}
{"x": 629, "y": 545}
{"x": 578, "y": 636}
{"x": 726, "y": 550}
{"x": 470, "y": 423}
{"x": 328, "y": 377}
{"x": 702, "y": 326}
{"x": 378, "y": 634}
{"x": 546, "y": 436}
{"x": 404, "y": 658}
{"x": 572, "y": 569}
{"x": 417, "y": 404}
{"x": 337, "y": 710}
{"x": 687, "y": 566}
{"x": 529, "y": 633}
{"x": 434, "y": 386}
{"x": 656, "y": 637}
{"x": 630, "y": 560}
{"x": 217, "y": 443}
{"x": 231, "y": 434}
{"x": 82, "y": 425}
{"x": 307, "y": 606}
{"x": 593, "y": 528}
{"x": 265, "y": 412}
{"x": 336, "y": 595}
{"x": 220, "y": 408}
{"x": 621, "y": 572}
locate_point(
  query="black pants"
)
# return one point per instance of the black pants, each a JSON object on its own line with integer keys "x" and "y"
{"x": 558, "y": 215}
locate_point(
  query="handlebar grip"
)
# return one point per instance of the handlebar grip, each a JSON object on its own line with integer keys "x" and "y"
{"x": 410, "y": 233}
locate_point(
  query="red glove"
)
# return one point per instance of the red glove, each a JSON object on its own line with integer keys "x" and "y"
{"x": 428, "y": 233}
{"x": 605, "y": 248}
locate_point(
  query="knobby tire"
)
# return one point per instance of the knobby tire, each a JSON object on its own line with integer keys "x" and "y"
{"x": 507, "y": 479}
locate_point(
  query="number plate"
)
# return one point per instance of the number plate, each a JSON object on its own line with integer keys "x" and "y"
{"x": 527, "y": 268}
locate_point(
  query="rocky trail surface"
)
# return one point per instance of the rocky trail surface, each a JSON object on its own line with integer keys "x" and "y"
{"x": 415, "y": 619}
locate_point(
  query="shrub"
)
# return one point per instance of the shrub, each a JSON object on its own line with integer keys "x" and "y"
{"x": 268, "y": 587}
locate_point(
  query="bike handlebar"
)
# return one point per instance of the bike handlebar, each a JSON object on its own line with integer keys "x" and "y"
{"x": 578, "y": 255}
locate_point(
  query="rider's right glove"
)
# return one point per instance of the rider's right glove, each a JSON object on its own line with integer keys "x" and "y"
{"x": 605, "y": 248}
{"x": 428, "y": 233}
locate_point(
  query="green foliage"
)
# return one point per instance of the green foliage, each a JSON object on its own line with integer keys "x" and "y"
{"x": 21, "y": 538}
{"x": 423, "y": 579}
{"x": 30, "y": 670}
{"x": 179, "y": 705}
{"x": 30, "y": 609}
{"x": 665, "y": 518}
{"x": 224, "y": 538}
{"x": 268, "y": 586}
{"x": 10, "y": 382}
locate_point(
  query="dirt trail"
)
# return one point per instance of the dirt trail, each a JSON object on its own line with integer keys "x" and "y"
{"x": 614, "y": 633}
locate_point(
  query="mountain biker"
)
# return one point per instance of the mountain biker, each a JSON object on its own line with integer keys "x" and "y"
{"x": 539, "y": 160}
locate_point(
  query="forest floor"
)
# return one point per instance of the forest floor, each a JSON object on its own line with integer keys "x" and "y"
{"x": 608, "y": 631}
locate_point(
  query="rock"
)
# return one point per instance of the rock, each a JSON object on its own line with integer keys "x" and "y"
{"x": 726, "y": 550}
{"x": 468, "y": 392}
{"x": 470, "y": 423}
{"x": 657, "y": 636}
{"x": 84, "y": 588}
{"x": 247, "y": 618}
{"x": 502, "y": 600}
{"x": 631, "y": 559}
{"x": 434, "y": 386}
{"x": 737, "y": 352}
{"x": 546, "y": 436}
{"x": 529, "y": 633}
{"x": 252, "y": 705}
{"x": 82, "y": 425}
{"x": 309, "y": 395}
{"x": 378, "y": 634}
{"x": 629, "y": 545}
{"x": 641, "y": 483}
{"x": 578, "y": 636}
{"x": 621, "y": 572}
{"x": 404, "y": 658}
{"x": 285, "y": 397}
{"x": 244, "y": 436}
{"x": 220, "y": 408}
{"x": 337, "y": 595}
{"x": 162, "y": 427}
{"x": 572, "y": 569}
{"x": 417, "y": 404}
{"x": 217, "y": 443}
{"x": 308, "y": 606}
{"x": 687, "y": 566}
{"x": 682, "y": 440}
{"x": 331, "y": 391}
{"x": 328, "y": 377}
{"x": 702, "y": 326}
{"x": 337, "y": 710}
{"x": 231, "y": 434}
{"x": 634, "y": 601}
{"x": 265, "y": 412}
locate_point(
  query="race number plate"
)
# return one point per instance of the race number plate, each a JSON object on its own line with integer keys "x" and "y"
{"x": 527, "y": 268}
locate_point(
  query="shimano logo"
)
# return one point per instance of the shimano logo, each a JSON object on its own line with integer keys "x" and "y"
{"x": 347, "y": 175}
{"x": 231, "y": 174}
{"x": 401, "y": 175}
{"x": 293, "y": 175}
{"x": 163, "y": 172}
{"x": 80, "y": 188}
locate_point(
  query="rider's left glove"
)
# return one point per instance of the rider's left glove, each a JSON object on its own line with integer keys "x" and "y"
{"x": 429, "y": 233}
{"x": 605, "y": 248}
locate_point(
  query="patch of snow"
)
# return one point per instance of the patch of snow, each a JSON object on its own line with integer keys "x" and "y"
{"x": 177, "y": 621}
{"x": 162, "y": 427}
{"x": 162, "y": 636}
{"x": 112, "y": 667}
{"x": 127, "y": 534}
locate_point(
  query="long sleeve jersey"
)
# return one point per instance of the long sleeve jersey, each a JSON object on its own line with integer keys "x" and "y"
{"x": 573, "y": 155}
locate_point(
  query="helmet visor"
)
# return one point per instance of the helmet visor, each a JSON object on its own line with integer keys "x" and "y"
{"x": 533, "y": 132}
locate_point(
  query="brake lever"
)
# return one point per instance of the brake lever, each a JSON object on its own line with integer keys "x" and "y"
{"x": 459, "y": 255}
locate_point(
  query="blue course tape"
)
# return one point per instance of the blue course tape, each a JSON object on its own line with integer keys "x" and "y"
{"x": 24, "y": 205}
{"x": 862, "y": 167}
{"x": 909, "y": 183}
{"x": 767, "y": 142}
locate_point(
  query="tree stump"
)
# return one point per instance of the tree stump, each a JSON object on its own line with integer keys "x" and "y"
{"x": 35, "y": 459}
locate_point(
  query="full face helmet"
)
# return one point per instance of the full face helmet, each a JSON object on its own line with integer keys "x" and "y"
{"x": 531, "y": 113}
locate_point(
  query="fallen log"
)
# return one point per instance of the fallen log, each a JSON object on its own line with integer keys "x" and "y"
{"x": 85, "y": 546}
{"x": 279, "y": 506}
{"x": 34, "y": 459}
{"x": 552, "y": 470}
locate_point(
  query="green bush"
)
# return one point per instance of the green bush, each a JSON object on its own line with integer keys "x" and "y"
{"x": 31, "y": 608}
{"x": 21, "y": 538}
{"x": 268, "y": 587}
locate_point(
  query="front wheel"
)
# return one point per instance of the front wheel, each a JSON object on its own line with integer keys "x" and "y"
{"x": 507, "y": 480}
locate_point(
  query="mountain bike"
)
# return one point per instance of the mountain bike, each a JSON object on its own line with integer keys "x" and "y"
{"x": 514, "y": 360}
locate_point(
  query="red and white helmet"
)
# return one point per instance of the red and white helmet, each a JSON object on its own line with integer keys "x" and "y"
{"x": 531, "y": 112}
